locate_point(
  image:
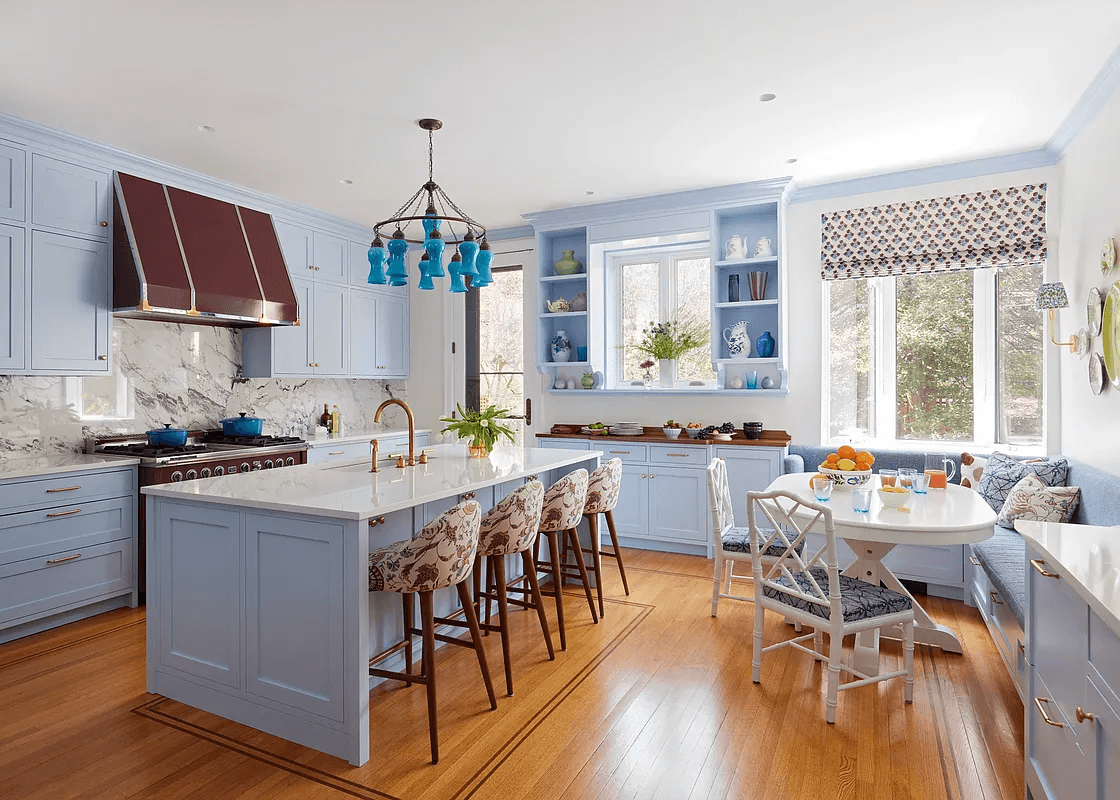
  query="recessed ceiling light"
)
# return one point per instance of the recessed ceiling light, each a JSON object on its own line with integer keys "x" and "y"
{"x": 346, "y": 181}
{"x": 791, "y": 160}
{"x": 588, "y": 192}
{"x": 207, "y": 128}
{"x": 766, "y": 98}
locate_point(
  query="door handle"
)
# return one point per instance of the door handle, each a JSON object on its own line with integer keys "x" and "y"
{"x": 1038, "y": 701}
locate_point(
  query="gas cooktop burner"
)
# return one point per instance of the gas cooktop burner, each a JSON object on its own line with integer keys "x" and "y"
{"x": 142, "y": 450}
{"x": 251, "y": 441}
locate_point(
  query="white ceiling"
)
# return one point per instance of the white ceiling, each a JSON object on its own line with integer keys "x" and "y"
{"x": 546, "y": 101}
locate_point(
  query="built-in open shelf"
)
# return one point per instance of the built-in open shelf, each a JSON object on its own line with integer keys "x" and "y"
{"x": 707, "y": 391}
{"x": 749, "y": 262}
{"x": 557, "y": 314}
{"x": 748, "y": 303}
{"x": 579, "y": 276}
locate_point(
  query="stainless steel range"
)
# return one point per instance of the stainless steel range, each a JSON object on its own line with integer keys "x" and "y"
{"x": 206, "y": 454}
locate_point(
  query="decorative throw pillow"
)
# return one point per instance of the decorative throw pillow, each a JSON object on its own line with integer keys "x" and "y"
{"x": 1003, "y": 472}
{"x": 1031, "y": 499}
{"x": 972, "y": 467}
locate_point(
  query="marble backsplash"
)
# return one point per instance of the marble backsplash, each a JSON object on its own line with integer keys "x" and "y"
{"x": 186, "y": 375}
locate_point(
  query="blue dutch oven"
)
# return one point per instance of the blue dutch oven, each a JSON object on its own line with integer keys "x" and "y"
{"x": 242, "y": 426}
{"x": 167, "y": 437}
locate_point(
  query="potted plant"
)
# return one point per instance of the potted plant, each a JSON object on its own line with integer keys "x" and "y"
{"x": 482, "y": 427}
{"x": 668, "y": 341}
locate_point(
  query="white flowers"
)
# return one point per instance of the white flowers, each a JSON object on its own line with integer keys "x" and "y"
{"x": 485, "y": 423}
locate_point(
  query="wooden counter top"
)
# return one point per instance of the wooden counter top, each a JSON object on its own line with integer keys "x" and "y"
{"x": 655, "y": 436}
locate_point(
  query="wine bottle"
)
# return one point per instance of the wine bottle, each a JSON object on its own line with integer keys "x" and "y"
{"x": 325, "y": 419}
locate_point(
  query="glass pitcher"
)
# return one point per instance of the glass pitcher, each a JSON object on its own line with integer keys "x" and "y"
{"x": 941, "y": 469}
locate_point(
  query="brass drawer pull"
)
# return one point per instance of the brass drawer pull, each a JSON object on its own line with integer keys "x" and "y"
{"x": 619, "y": 452}
{"x": 1082, "y": 716}
{"x": 65, "y": 513}
{"x": 337, "y": 453}
{"x": 1038, "y": 701}
{"x": 677, "y": 455}
{"x": 63, "y": 489}
{"x": 1037, "y": 564}
{"x": 995, "y": 597}
{"x": 975, "y": 563}
{"x": 54, "y": 561}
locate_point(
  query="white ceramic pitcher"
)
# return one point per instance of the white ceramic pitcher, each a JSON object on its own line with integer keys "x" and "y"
{"x": 736, "y": 338}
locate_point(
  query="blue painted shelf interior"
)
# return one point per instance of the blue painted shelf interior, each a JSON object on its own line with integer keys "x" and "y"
{"x": 551, "y": 287}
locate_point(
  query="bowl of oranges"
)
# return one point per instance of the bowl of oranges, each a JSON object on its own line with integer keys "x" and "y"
{"x": 848, "y": 466}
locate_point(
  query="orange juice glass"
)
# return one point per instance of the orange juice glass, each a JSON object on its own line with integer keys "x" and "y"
{"x": 888, "y": 477}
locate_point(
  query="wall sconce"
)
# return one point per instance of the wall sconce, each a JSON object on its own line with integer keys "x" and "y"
{"x": 1052, "y": 296}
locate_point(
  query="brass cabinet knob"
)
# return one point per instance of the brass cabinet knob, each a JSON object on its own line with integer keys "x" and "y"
{"x": 103, "y": 358}
{"x": 643, "y": 474}
{"x": 1082, "y": 715}
{"x": 104, "y": 224}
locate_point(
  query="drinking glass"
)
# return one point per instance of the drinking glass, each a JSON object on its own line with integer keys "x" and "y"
{"x": 921, "y": 483}
{"x": 822, "y": 489}
{"x": 861, "y": 498}
{"x": 888, "y": 477}
{"x": 752, "y": 379}
{"x": 906, "y": 477}
{"x": 940, "y": 470}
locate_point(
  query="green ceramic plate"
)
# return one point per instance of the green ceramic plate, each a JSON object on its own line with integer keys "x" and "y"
{"x": 1110, "y": 333}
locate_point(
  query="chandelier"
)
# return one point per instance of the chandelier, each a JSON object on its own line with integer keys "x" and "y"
{"x": 471, "y": 252}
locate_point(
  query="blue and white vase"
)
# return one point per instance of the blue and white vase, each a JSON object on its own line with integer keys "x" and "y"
{"x": 561, "y": 347}
{"x": 764, "y": 344}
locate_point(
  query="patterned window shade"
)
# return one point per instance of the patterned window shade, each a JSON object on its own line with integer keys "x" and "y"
{"x": 993, "y": 228}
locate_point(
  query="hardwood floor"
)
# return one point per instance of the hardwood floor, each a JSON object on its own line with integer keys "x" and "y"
{"x": 654, "y": 702}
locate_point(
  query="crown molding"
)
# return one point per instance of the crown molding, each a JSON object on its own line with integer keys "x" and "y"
{"x": 1085, "y": 110}
{"x": 57, "y": 143}
{"x": 518, "y": 232}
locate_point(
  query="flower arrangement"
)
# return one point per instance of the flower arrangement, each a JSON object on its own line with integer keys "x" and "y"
{"x": 483, "y": 428}
{"x": 671, "y": 340}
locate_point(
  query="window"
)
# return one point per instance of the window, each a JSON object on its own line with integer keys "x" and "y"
{"x": 501, "y": 341}
{"x": 953, "y": 357}
{"x": 647, "y": 287}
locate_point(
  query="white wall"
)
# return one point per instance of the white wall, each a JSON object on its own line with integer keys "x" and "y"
{"x": 1090, "y": 425}
{"x": 800, "y": 412}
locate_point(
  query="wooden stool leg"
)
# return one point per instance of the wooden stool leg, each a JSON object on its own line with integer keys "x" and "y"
{"x": 530, "y": 567}
{"x": 476, "y": 637}
{"x": 554, "y": 554}
{"x": 574, "y": 537}
{"x": 476, "y": 577}
{"x": 596, "y": 560}
{"x": 498, "y": 565}
{"x": 428, "y": 632}
{"x": 408, "y": 625}
{"x": 617, "y": 553}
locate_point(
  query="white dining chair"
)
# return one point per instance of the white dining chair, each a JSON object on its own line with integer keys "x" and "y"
{"x": 813, "y": 591}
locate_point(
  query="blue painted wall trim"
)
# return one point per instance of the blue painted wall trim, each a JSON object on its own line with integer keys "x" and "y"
{"x": 1085, "y": 110}
{"x": 502, "y": 234}
{"x": 993, "y": 165}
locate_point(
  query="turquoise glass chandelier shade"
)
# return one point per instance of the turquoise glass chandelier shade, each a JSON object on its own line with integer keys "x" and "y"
{"x": 482, "y": 264}
{"x": 455, "y": 267}
{"x": 398, "y": 270}
{"x": 425, "y": 273}
{"x": 435, "y": 247}
{"x": 430, "y": 222}
{"x": 468, "y": 249}
{"x": 378, "y": 256}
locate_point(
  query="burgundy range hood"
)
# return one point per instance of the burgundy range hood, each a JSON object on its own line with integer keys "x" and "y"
{"x": 183, "y": 257}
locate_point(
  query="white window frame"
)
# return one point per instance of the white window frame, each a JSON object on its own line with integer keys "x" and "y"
{"x": 883, "y": 377}
{"x": 667, "y": 259}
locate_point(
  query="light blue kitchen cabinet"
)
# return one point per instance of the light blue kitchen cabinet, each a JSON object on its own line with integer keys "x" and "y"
{"x": 13, "y": 270}
{"x": 678, "y": 503}
{"x": 631, "y": 513}
{"x": 70, "y": 316}
{"x": 378, "y": 334}
{"x": 69, "y": 197}
{"x": 749, "y": 469}
{"x": 313, "y": 254}
{"x": 317, "y": 346}
{"x": 13, "y": 182}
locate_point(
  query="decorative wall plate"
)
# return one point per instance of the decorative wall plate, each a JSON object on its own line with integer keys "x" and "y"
{"x": 1094, "y": 310}
{"x": 1110, "y": 334}
{"x": 1096, "y": 373}
{"x": 1084, "y": 342}
{"x": 1108, "y": 255}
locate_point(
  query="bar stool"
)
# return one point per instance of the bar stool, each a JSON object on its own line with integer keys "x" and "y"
{"x": 563, "y": 509}
{"x": 602, "y": 496}
{"x": 441, "y": 555}
{"x": 511, "y": 527}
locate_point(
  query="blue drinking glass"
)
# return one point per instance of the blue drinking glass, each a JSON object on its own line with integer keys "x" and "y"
{"x": 482, "y": 263}
{"x": 378, "y": 255}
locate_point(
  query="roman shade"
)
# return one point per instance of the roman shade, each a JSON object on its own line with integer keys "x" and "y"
{"x": 992, "y": 228}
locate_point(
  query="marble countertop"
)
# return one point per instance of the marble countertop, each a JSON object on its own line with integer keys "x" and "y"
{"x": 359, "y": 435}
{"x": 25, "y": 466}
{"x": 1087, "y": 556}
{"x": 348, "y": 490}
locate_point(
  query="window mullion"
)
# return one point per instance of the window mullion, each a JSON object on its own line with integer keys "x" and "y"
{"x": 884, "y": 359}
{"x": 985, "y": 382}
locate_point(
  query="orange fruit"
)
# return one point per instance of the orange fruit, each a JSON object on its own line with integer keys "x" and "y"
{"x": 846, "y": 451}
{"x": 831, "y": 458}
{"x": 861, "y": 464}
{"x": 845, "y": 464}
{"x": 863, "y": 455}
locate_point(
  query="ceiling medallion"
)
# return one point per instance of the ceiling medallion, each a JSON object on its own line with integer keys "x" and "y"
{"x": 472, "y": 255}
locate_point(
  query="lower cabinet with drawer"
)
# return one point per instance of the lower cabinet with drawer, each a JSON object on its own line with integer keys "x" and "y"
{"x": 67, "y": 547}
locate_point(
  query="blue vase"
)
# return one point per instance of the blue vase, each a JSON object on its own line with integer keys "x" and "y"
{"x": 764, "y": 344}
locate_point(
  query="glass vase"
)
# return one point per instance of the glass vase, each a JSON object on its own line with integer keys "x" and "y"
{"x": 479, "y": 451}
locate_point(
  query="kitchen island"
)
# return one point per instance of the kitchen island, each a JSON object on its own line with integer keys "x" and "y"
{"x": 258, "y": 602}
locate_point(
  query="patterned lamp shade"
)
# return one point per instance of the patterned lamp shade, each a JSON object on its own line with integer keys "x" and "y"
{"x": 1052, "y": 295}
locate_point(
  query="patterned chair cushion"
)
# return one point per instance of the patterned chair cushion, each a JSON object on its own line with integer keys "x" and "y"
{"x": 738, "y": 540}
{"x": 564, "y": 501}
{"x": 1032, "y": 499}
{"x": 858, "y": 600}
{"x": 602, "y": 488}
{"x": 441, "y": 555}
{"x": 511, "y": 526}
{"x": 1002, "y": 473}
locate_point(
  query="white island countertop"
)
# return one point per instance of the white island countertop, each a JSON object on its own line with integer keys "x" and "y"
{"x": 30, "y": 466}
{"x": 348, "y": 490}
{"x": 359, "y": 435}
{"x": 1087, "y": 557}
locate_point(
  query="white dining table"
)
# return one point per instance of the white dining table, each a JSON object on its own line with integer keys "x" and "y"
{"x": 954, "y": 515}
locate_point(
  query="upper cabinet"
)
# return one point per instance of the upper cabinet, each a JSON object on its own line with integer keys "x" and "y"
{"x": 563, "y": 282}
{"x": 11, "y": 297}
{"x": 317, "y": 346}
{"x": 13, "y": 181}
{"x": 379, "y": 334}
{"x": 69, "y": 304}
{"x": 313, "y": 254}
{"x": 69, "y": 197}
